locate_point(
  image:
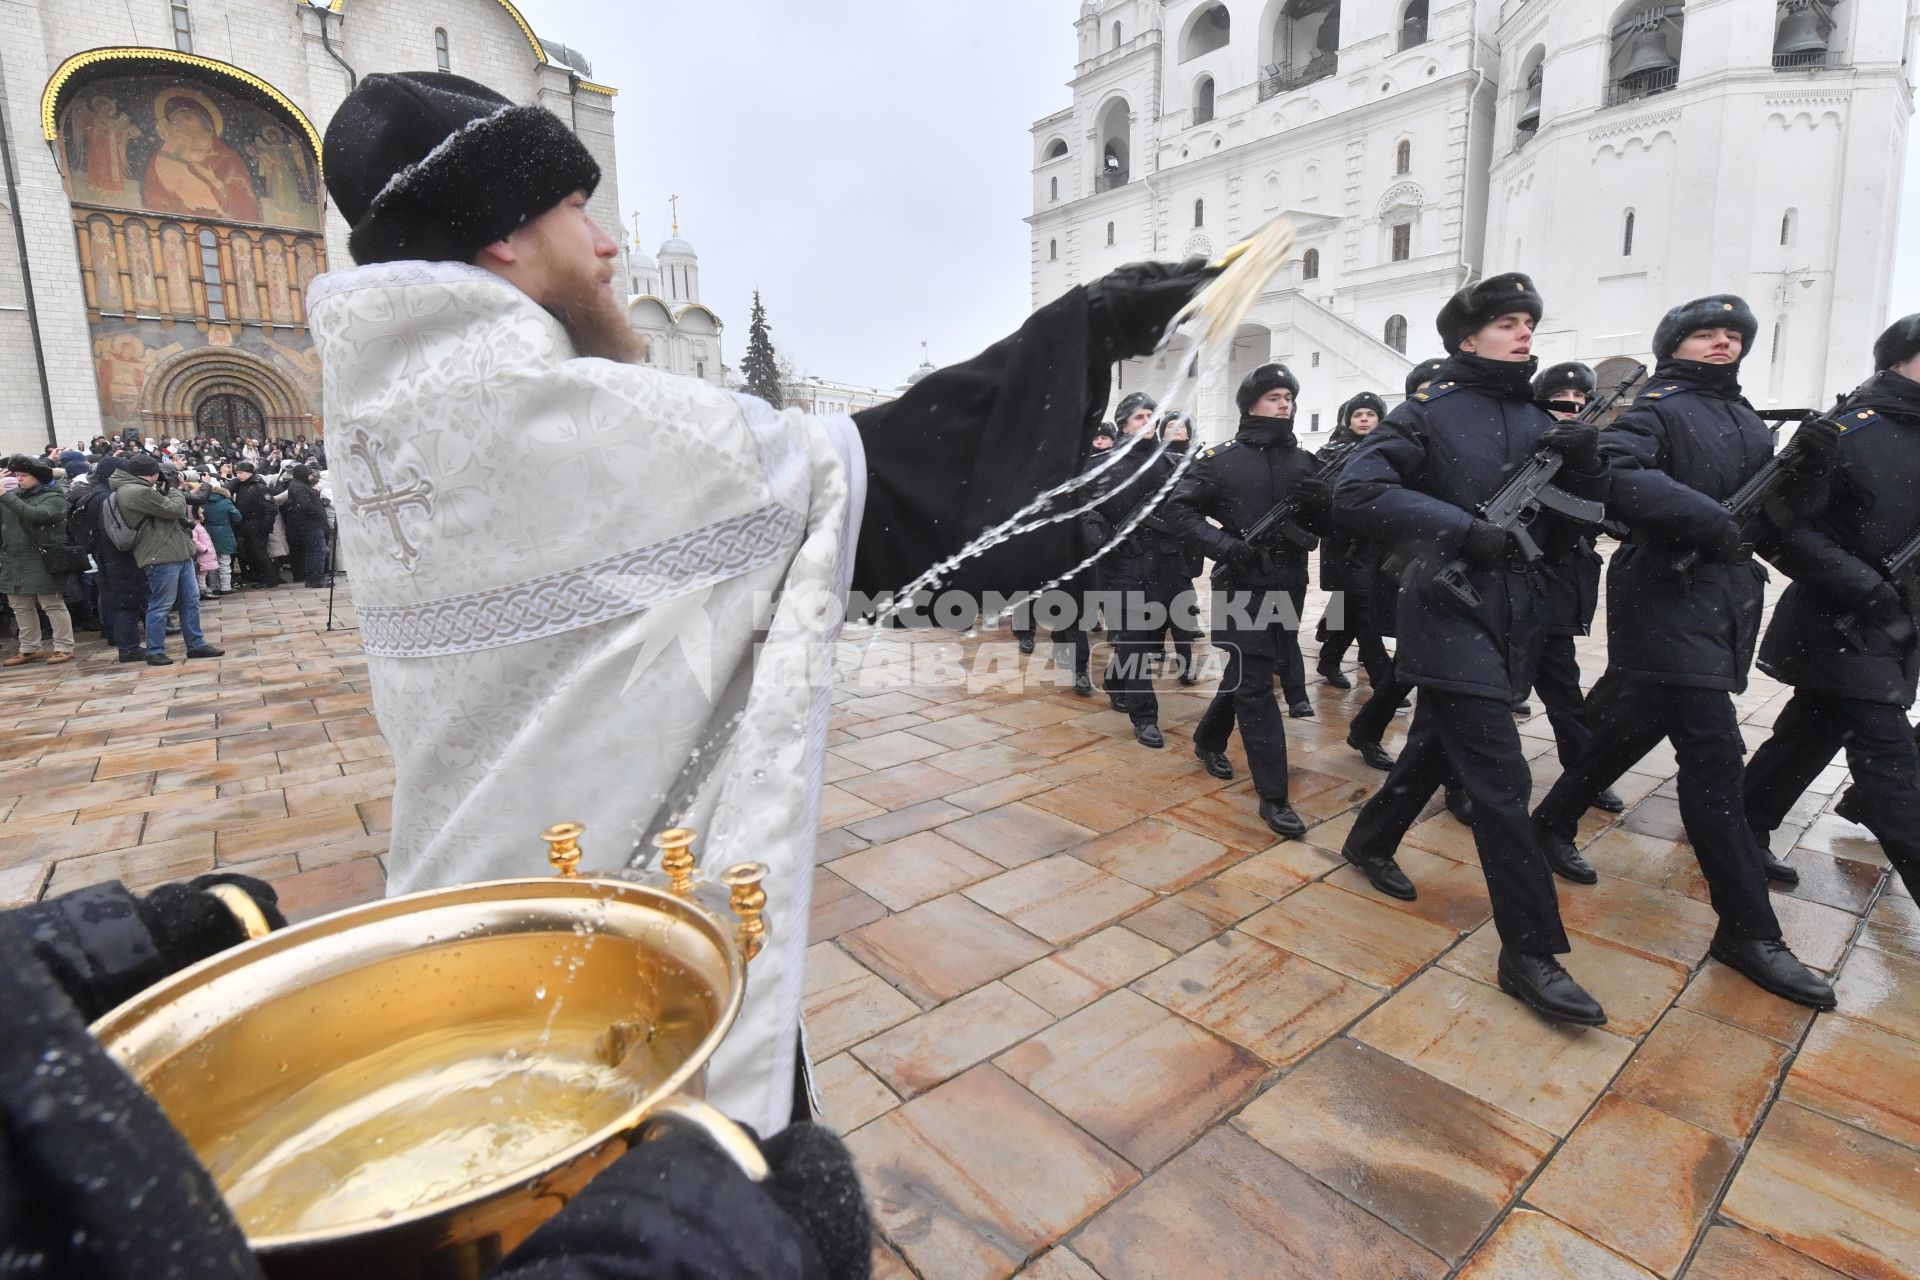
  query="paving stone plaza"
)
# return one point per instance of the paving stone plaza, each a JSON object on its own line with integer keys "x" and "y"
{"x": 1079, "y": 1015}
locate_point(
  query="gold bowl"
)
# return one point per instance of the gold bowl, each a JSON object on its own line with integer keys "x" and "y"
{"x": 408, "y": 1088}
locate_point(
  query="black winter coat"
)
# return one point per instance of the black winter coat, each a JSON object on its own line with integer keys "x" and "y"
{"x": 1675, "y": 457}
{"x": 1234, "y": 485}
{"x": 1412, "y": 486}
{"x": 122, "y": 583}
{"x": 1152, "y": 559}
{"x": 1873, "y": 506}
{"x": 1573, "y": 589}
{"x": 256, "y": 507}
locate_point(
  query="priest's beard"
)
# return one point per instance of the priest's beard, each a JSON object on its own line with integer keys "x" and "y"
{"x": 592, "y": 318}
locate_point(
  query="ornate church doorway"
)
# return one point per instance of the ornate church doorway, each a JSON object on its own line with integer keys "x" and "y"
{"x": 229, "y": 417}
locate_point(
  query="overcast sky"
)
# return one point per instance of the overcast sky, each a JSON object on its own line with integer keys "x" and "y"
{"x": 862, "y": 163}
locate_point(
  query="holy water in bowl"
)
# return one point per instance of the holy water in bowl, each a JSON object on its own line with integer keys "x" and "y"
{"x": 451, "y": 1088}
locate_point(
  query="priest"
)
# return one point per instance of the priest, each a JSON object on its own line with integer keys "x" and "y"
{"x": 592, "y": 591}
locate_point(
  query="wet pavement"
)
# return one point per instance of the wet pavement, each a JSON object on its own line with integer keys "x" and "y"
{"x": 1080, "y": 1015}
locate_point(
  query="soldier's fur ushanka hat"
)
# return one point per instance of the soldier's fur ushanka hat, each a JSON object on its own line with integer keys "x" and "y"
{"x": 430, "y": 165}
{"x": 1717, "y": 311}
{"x": 1899, "y": 344}
{"x": 1479, "y": 305}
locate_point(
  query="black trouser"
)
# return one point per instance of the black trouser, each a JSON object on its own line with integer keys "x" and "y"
{"x": 1133, "y": 639}
{"x": 253, "y": 554}
{"x": 1291, "y": 666}
{"x": 1557, "y": 681}
{"x": 1184, "y": 637}
{"x": 1476, "y": 738}
{"x": 1880, "y": 755}
{"x": 1705, "y": 733}
{"x": 1359, "y": 629}
{"x": 1246, "y": 697}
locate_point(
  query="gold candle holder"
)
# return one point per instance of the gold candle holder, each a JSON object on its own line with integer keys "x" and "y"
{"x": 748, "y": 901}
{"x": 563, "y": 848}
{"x": 676, "y": 859}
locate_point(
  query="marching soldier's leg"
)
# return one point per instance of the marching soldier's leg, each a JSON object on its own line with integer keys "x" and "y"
{"x": 1387, "y": 814}
{"x": 1215, "y": 725}
{"x": 1557, "y": 681}
{"x": 1880, "y": 752}
{"x": 1804, "y": 741}
{"x": 1130, "y": 654}
{"x": 1633, "y": 727}
{"x": 1483, "y": 743}
{"x": 1706, "y": 740}
{"x": 1264, "y": 733}
{"x": 1370, "y": 723}
{"x": 1292, "y": 665}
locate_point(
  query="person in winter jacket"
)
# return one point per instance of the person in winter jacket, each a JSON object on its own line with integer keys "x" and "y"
{"x": 1257, "y": 590}
{"x": 1853, "y": 691}
{"x": 120, "y": 581}
{"x": 33, "y": 517}
{"x": 206, "y": 561}
{"x": 164, "y": 550}
{"x": 1345, "y": 568}
{"x": 1680, "y": 639}
{"x": 305, "y": 513}
{"x": 95, "y": 1183}
{"x": 223, "y": 526}
{"x": 1413, "y": 486}
{"x": 257, "y": 514}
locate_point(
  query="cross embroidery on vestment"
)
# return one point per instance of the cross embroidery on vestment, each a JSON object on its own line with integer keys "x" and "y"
{"x": 382, "y": 499}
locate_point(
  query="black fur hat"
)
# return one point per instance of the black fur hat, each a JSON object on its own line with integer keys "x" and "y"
{"x": 1571, "y": 376}
{"x": 1424, "y": 372}
{"x": 1900, "y": 343}
{"x": 429, "y": 165}
{"x": 1365, "y": 400}
{"x": 1263, "y": 380}
{"x": 1130, "y": 404}
{"x": 1718, "y": 311}
{"x": 1480, "y": 304}
{"x": 27, "y": 465}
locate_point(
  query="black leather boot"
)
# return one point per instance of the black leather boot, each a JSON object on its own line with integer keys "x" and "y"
{"x": 1563, "y": 857}
{"x": 1147, "y": 734}
{"x": 1607, "y": 802}
{"x": 1375, "y": 755}
{"x": 1769, "y": 965}
{"x": 1216, "y": 762}
{"x": 1382, "y": 872}
{"x": 1548, "y": 989}
{"x": 1281, "y": 820}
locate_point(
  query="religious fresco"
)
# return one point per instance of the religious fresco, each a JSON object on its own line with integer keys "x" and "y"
{"x": 160, "y": 168}
{"x": 163, "y": 144}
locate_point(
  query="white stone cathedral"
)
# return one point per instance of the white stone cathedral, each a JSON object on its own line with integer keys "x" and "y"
{"x": 682, "y": 333}
{"x": 1627, "y": 156}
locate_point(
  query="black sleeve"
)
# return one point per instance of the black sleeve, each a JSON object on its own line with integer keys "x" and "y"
{"x": 1643, "y": 495}
{"x": 970, "y": 444}
{"x": 1187, "y": 512}
{"x": 676, "y": 1208}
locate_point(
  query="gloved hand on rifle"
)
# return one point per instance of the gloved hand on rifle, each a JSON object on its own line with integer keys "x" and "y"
{"x": 1886, "y": 609}
{"x": 1485, "y": 546}
{"x": 1819, "y": 436}
{"x": 1245, "y": 558}
{"x": 1129, "y": 307}
{"x": 1316, "y": 502}
{"x": 1577, "y": 442}
{"x": 1728, "y": 545}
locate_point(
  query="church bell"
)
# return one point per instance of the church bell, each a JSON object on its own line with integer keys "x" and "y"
{"x": 1647, "y": 55}
{"x": 1530, "y": 110}
{"x": 1804, "y": 32}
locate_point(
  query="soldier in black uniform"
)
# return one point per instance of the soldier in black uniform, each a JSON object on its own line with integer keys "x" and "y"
{"x": 1413, "y": 485}
{"x": 1345, "y": 567}
{"x": 1257, "y": 591}
{"x": 1147, "y": 571}
{"x": 1679, "y": 644}
{"x": 1369, "y": 726}
{"x": 1182, "y": 606}
{"x": 1845, "y": 695}
{"x": 1077, "y": 635}
{"x": 1573, "y": 594}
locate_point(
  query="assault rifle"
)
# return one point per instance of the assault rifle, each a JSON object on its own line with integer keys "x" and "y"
{"x": 1282, "y": 523}
{"x": 1760, "y": 503}
{"x": 1895, "y": 566}
{"x": 1531, "y": 490}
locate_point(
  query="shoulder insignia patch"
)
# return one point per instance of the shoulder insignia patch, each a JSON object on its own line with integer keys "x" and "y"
{"x": 1209, "y": 451}
{"x": 1854, "y": 419}
{"x": 1435, "y": 391}
{"x": 1659, "y": 391}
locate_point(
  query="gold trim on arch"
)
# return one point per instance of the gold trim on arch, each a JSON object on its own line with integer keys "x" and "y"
{"x": 539, "y": 50}
{"x": 591, "y": 87}
{"x": 50, "y": 97}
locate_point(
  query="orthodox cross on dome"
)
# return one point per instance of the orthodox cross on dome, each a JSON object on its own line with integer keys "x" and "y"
{"x": 636, "y": 230}
{"x": 675, "y": 202}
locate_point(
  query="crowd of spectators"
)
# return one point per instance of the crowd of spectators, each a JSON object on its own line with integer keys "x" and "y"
{"x": 126, "y": 536}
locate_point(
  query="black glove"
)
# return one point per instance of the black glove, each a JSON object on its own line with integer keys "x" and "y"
{"x": 1819, "y": 436}
{"x": 1485, "y": 546}
{"x": 1577, "y": 442}
{"x": 1728, "y": 546}
{"x": 814, "y": 1180}
{"x": 1244, "y": 557}
{"x": 1316, "y": 497}
{"x": 1129, "y": 307}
